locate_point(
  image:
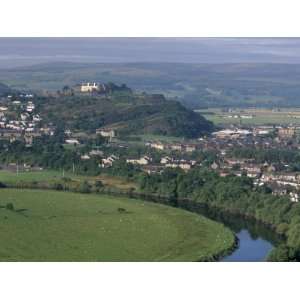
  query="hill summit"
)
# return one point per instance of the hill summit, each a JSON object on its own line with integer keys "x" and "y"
{"x": 127, "y": 112}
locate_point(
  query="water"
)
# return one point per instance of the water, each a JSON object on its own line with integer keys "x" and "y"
{"x": 255, "y": 240}
{"x": 250, "y": 249}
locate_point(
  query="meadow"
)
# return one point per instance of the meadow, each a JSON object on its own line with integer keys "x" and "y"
{"x": 39, "y": 225}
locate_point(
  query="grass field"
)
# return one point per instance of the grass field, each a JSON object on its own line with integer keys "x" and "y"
{"x": 45, "y": 175}
{"x": 64, "y": 226}
{"x": 258, "y": 116}
{"x": 9, "y": 177}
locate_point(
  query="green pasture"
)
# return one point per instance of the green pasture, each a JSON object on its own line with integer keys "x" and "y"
{"x": 39, "y": 225}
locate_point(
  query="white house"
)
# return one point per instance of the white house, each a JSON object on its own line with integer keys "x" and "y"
{"x": 72, "y": 142}
{"x": 106, "y": 132}
{"x": 145, "y": 160}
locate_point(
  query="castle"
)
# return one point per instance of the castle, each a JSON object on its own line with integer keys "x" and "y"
{"x": 89, "y": 87}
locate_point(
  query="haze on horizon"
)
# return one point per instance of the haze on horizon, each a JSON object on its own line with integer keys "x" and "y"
{"x": 15, "y": 52}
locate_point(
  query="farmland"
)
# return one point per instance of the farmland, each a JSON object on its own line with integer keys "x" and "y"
{"x": 41, "y": 225}
{"x": 251, "y": 116}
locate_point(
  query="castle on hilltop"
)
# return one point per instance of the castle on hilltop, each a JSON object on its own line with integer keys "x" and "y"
{"x": 92, "y": 87}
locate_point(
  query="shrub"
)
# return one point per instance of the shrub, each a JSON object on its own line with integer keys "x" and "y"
{"x": 58, "y": 186}
{"x": 9, "y": 206}
{"x": 84, "y": 187}
{"x": 121, "y": 210}
{"x": 2, "y": 185}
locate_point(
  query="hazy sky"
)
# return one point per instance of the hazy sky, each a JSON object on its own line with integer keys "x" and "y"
{"x": 27, "y": 51}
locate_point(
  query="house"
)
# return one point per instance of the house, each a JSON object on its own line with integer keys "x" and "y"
{"x": 166, "y": 159}
{"x": 24, "y": 116}
{"x": 190, "y": 147}
{"x": 36, "y": 118}
{"x": 182, "y": 164}
{"x": 251, "y": 168}
{"x": 185, "y": 166}
{"x": 106, "y": 132}
{"x": 72, "y": 142}
{"x": 294, "y": 197}
{"x": 96, "y": 153}
{"x": 28, "y": 140}
{"x": 108, "y": 162}
{"x": 145, "y": 160}
{"x": 279, "y": 191}
{"x": 30, "y": 106}
{"x": 253, "y": 174}
{"x": 85, "y": 157}
{"x": 223, "y": 174}
{"x": 287, "y": 132}
{"x": 176, "y": 147}
{"x": 157, "y": 145}
{"x": 152, "y": 169}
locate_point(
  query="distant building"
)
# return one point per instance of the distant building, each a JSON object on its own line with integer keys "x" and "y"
{"x": 157, "y": 145}
{"x": 145, "y": 160}
{"x": 89, "y": 87}
{"x": 190, "y": 148}
{"x": 108, "y": 162}
{"x": 214, "y": 166}
{"x": 96, "y": 153}
{"x": 288, "y": 132}
{"x": 176, "y": 147}
{"x": 166, "y": 159}
{"x": 72, "y": 142}
{"x": 85, "y": 157}
{"x": 106, "y": 132}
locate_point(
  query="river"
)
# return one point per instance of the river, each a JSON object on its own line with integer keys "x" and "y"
{"x": 255, "y": 239}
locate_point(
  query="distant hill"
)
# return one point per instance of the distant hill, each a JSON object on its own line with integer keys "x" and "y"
{"x": 128, "y": 113}
{"x": 4, "y": 89}
{"x": 194, "y": 85}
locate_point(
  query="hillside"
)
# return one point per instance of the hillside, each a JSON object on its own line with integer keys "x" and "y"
{"x": 129, "y": 113}
{"x": 195, "y": 85}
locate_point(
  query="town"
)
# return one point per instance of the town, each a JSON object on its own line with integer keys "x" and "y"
{"x": 20, "y": 120}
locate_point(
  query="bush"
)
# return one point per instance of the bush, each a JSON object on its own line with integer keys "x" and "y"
{"x": 84, "y": 187}
{"x": 2, "y": 185}
{"x": 282, "y": 228}
{"x": 9, "y": 206}
{"x": 98, "y": 184}
{"x": 281, "y": 253}
{"x": 58, "y": 186}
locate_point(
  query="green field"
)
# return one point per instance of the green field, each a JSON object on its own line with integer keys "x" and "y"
{"x": 64, "y": 226}
{"x": 45, "y": 175}
{"x": 13, "y": 179}
{"x": 259, "y": 116}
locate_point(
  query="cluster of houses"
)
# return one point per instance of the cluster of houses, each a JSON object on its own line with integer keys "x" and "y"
{"x": 182, "y": 147}
{"x": 19, "y": 121}
{"x": 281, "y": 182}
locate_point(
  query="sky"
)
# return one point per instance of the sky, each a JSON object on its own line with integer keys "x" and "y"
{"x": 16, "y": 52}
